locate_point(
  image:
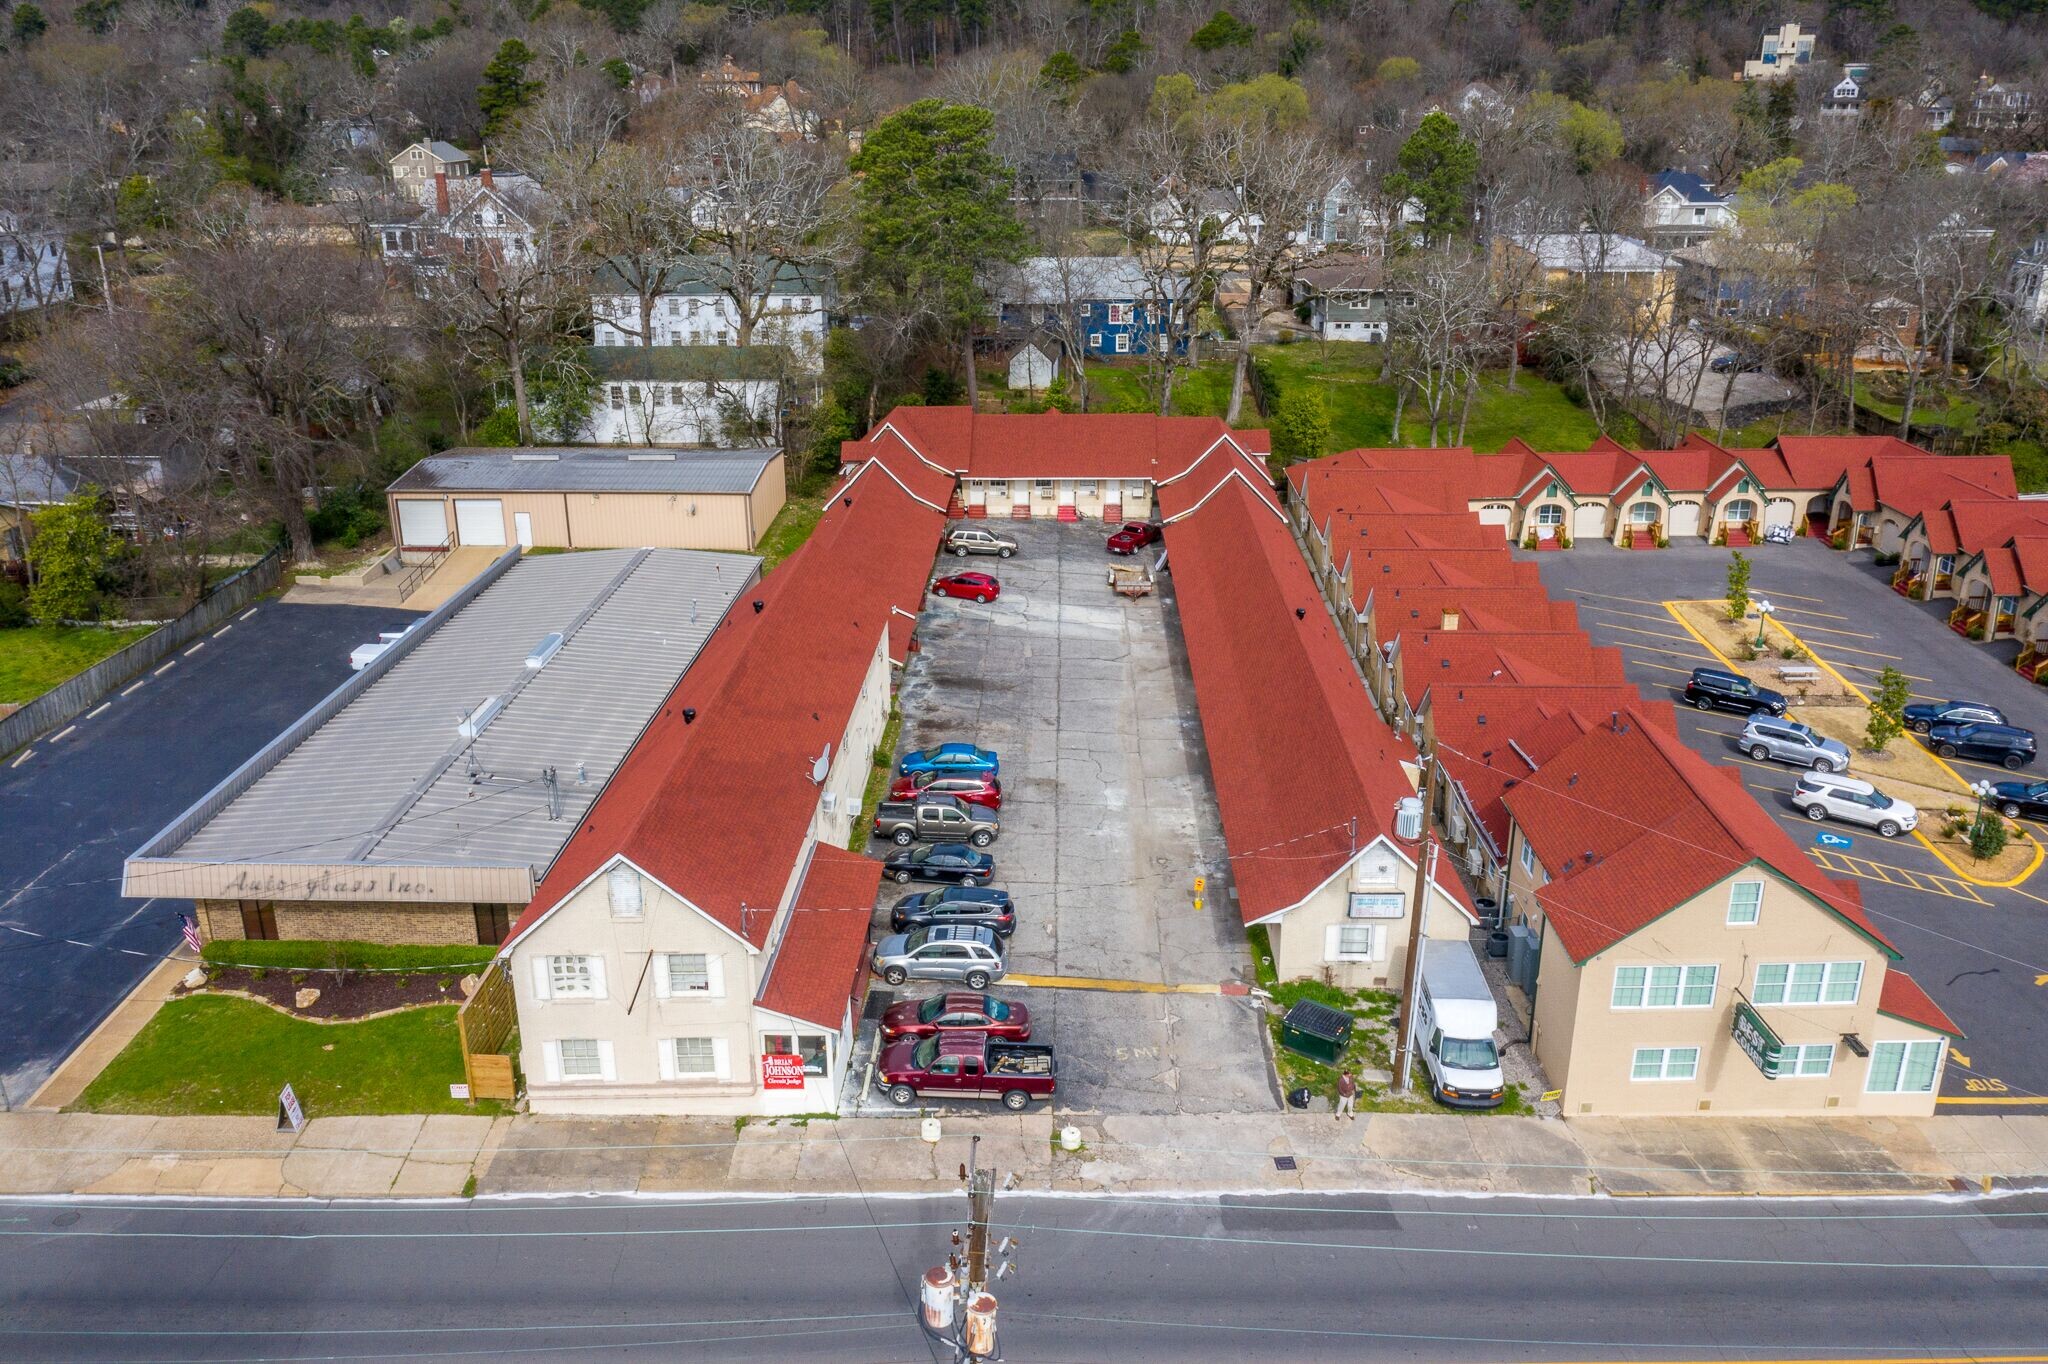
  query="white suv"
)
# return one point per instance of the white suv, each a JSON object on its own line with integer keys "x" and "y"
{"x": 1822, "y": 795}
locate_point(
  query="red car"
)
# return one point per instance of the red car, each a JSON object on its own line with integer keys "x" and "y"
{"x": 950, "y": 1013}
{"x": 973, "y": 586}
{"x": 970, "y": 788}
{"x": 1134, "y": 536}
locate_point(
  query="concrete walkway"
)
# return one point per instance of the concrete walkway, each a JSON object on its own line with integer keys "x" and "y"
{"x": 437, "y": 1157}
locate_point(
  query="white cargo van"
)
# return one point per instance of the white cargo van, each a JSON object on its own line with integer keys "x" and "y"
{"x": 1454, "y": 1023}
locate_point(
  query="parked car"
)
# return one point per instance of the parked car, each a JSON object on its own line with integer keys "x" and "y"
{"x": 966, "y": 540}
{"x": 1717, "y": 689}
{"x": 2016, "y": 798}
{"x": 935, "y": 819}
{"x": 2006, "y": 745}
{"x": 1826, "y": 795}
{"x": 978, "y": 587}
{"x": 941, "y": 862}
{"x": 950, "y": 758}
{"x": 1133, "y": 536}
{"x": 967, "y": 953}
{"x": 1922, "y": 716}
{"x": 969, "y": 788}
{"x": 1788, "y": 741}
{"x": 957, "y": 1012}
{"x": 966, "y": 1067}
{"x": 955, "y": 905}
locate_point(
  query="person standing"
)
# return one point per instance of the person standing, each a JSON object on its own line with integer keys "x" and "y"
{"x": 1347, "y": 1096}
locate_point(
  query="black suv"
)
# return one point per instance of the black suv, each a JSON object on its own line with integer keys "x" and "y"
{"x": 2002, "y": 744}
{"x": 1714, "y": 689}
{"x": 955, "y": 905}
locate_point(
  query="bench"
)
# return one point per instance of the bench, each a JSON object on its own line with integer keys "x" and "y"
{"x": 1798, "y": 672}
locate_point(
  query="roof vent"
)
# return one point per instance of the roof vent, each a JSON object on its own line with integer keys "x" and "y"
{"x": 534, "y": 457}
{"x": 1300, "y": 613}
{"x": 759, "y": 605}
{"x": 655, "y": 458}
{"x": 476, "y": 721}
{"x": 549, "y": 646}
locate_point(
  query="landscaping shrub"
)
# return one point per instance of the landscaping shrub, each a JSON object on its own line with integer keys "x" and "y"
{"x": 294, "y": 954}
{"x": 1988, "y": 838}
{"x": 13, "y": 604}
{"x": 347, "y": 516}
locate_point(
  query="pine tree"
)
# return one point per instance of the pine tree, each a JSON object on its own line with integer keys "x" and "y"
{"x": 506, "y": 90}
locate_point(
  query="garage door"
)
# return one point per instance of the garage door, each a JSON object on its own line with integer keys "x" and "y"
{"x": 480, "y": 522}
{"x": 1685, "y": 519}
{"x": 1589, "y": 522}
{"x": 422, "y": 523}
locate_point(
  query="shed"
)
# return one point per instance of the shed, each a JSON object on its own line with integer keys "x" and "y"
{"x": 1031, "y": 369}
{"x": 572, "y": 497}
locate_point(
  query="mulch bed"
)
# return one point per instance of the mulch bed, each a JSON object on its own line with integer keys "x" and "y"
{"x": 357, "y": 995}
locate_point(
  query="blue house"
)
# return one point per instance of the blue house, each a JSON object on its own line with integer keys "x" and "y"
{"x": 1099, "y": 305}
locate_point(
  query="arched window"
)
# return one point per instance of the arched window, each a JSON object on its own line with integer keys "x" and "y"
{"x": 1550, "y": 514}
{"x": 1741, "y": 511}
{"x": 1642, "y": 514}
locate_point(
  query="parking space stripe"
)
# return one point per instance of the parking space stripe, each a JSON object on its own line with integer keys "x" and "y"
{"x": 1826, "y": 630}
{"x": 1865, "y": 667}
{"x": 126, "y": 690}
{"x": 195, "y": 649}
{"x": 223, "y": 630}
{"x": 166, "y": 668}
{"x": 1608, "y": 596}
{"x": 1635, "y": 615}
{"x": 1665, "y": 667}
{"x": 1630, "y": 629}
{"x": 1867, "y": 653}
{"x": 1137, "y": 987}
{"x": 1796, "y": 597}
{"x": 103, "y": 706}
{"x": 246, "y": 614}
{"x": 26, "y": 754}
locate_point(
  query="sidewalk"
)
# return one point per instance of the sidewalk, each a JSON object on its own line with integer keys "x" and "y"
{"x": 437, "y": 1157}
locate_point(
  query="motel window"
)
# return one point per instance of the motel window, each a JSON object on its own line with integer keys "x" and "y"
{"x": 809, "y": 1045}
{"x": 1119, "y": 314}
{"x": 1355, "y": 941}
{"x": 660, "y": 393}
{"x": 633, "y": 394}
{"x": 1044, "y": 486}
{"x": 1903, "y": 1067}
{"x": 1085, "y": 487}
{"x": 1742, "y": 512}
{"x": 493, "y": 923}
{"x": 1664, "y": 987}
{"x": 1643, "y": 514}
{"x": 1527, "y": 857}
{"x": 1745, "y": 902}
{"x": 1665, "y": 1063}
{"x": 1809, "y": 982}
{"x": 695, "y": 1057}
{"x": 1134, "y": 490}
{"x": 688, "y": 973}
{"x": 582, "y": 1058}
{"x": 1550, "y": 514}
{"x": 675, "y": 306}
{"x": 1810, "y": 1061}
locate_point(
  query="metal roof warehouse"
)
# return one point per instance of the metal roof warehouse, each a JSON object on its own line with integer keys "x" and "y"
{"x": 422, "y": 800}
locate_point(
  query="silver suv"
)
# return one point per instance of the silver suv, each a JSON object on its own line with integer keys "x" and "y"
{"x": 969, "y": 953}
{"x": 1823, "y": 795}
{"x": 1788, "y": 741}
{"x": 966, "y": 540}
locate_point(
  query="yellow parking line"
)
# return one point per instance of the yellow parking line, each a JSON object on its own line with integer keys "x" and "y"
{"x": 1827, "y": 630}
{"x": 1630, "y": 629}
{"x": 1869, "y": 668}
{"x": 1633, "y": 615}
{"x": 1136, "y": 987}
{"x": 2015, "y": 1102}
{"x": 1869, "y": 653}
{"x": 1796, "y": 597}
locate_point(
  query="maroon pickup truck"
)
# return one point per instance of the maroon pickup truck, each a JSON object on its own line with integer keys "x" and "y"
{"x": 965, "y": 1066}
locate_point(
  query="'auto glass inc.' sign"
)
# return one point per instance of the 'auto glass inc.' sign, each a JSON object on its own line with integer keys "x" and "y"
{"x": 1756, "y": 1039}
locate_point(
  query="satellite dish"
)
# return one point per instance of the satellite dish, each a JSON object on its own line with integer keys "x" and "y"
{"x": 821, "y": 765}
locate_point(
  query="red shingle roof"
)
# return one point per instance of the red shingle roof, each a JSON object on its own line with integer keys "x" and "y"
{"x": 1902, "y": 997}
{"x": 1127, "y": 445}
{"x": 820, "y": 969}
{"x": 1431, "y": 658}
{"x": 1422, "y": 606}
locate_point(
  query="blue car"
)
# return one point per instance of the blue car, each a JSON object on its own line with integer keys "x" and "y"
{"x": 949, "y": 759}
{"x": 1922, "y": 716}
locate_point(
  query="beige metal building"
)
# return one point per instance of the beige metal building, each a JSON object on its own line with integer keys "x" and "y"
{"x": 422, "y": 800}
{"x": 572, "y": 497}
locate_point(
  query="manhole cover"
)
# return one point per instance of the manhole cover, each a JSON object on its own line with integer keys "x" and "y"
{"x": 63, "y": 1219}
{"x": 1283, "y": 1162}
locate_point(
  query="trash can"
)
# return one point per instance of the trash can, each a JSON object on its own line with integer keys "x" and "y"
{"x": 1316, "y": 1031}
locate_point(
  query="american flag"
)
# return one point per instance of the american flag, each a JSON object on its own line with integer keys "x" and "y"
{"x": 190, "y": 930}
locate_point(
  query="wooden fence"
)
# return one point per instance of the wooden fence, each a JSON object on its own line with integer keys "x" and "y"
{"x": 68, "y": 700}
{"x": 484, "y": 1024}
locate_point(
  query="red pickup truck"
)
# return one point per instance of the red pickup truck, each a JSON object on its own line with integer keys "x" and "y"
{"x": 965, "y": 1066}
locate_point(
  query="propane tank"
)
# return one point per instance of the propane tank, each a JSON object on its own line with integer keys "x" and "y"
{"x": 981, "y": 1325}
{"x": 935, "y": 1298}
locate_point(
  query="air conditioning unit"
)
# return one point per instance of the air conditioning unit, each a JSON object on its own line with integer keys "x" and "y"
{"x": 831, "y": 802}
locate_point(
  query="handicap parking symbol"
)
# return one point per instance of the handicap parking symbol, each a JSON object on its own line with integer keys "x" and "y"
{"x": 1828, "y": 840}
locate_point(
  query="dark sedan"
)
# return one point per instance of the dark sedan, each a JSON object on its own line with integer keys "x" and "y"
{"x": 955, "y": 862}
{"x": 2001, "y": 744}
{"x": 957, "y": 1012}
{"x": 955, "y": 905}
{"x": 2016, "y": 798}
{"x": 1922, "y": 716}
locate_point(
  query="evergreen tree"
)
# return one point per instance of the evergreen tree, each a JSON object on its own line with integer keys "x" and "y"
{"x": 29, "y": 24}
{"x": 1436, "y": 168}
{"x": 506, "y": 90}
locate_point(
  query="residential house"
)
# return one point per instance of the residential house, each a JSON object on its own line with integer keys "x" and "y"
{"x": 1845, "y": 99}
{"x": 730, "y": 79}
{"x": 1999, "y": 592}
{"x": 786, "y": 111}
{"x": 1721, "y": 278}
{"x": 1784, "y": 51}
{"x": 1878, "y": 495}
{"x": 1937, "y": 107}
{"x": 35, "y": 270}
{"x": 1343, "y": 217}
{"x": 1692, "y": 958}
{"x": 687, "y": 395}
{"x": 2027, "y": 284}
{"x": 687, "y": 935}
{"x": 464, "y": 220}
{"x": 1681, "y": 208}
{"x": 1100, "y": 305}
{"x": 418, "y": 169}
{"x": 29, "y": 483}
{"x": 693, "y": 308}
{"x": 1936, "y": 541}
{"x": 1996, "y": 107}
{"x": 1560, "y": 260}
{"x": 1347, "y": 298}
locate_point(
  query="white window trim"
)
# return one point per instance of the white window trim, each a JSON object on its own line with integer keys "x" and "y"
{"x": 714, "y": 976}
{"x": 1333, "y": 936}
{"x": 1934, "y": 1080}
{"x": 721, "y": 1061}
{"x": 544, "y": 982}
{"x": 607, "y": 1067}
{"x": 1685, "y": 974}
{"x": 1663, "y": 1066}
{"x": 1802, "y": 1048}
{"x": 1821, "y": 1001}
{"x": 1757, "y": 909}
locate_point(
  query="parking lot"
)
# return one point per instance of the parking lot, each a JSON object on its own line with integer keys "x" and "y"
{"x": 71, "y": 947}
{"x": 1108, "y": 814}
{"x": 1981, "y": 951}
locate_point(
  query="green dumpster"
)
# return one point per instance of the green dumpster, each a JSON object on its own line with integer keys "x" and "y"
{"x": 1316, "y": 1031}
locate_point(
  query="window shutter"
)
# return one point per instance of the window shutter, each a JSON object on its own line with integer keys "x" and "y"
{"x": 540, "y": 980}
{"x": 1379, "y": 942}
{"x": 606, "y": 1070}
{"x": 1333, "y": 942}
{"x": 714, "y": 975}
{"x": 597, "y": 978}
{"x": 721, "y": 1058}
{"x": 552, "y": 1052}
{"x": 665, "y": 1052}
{"x": 661, "y": 982}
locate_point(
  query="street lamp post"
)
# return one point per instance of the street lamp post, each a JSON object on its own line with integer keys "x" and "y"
{"x": 1763, "y": 616}
{"x": 1982, "y": 790}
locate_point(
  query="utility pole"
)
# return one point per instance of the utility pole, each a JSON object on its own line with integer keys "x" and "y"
{"x": 981, "y": 1197}
{"x": 1425, "y": 878}
{"x": 954, "y": 1304}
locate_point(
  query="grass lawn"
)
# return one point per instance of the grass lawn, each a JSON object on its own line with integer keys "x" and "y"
{"x": 35, "y": 658}
{"x": 1201, "y": 391}
{"x": 882, "y": 768}
{"x": 1362, "y": 408}
{"x": 221, "y": 1055}
{"x": 791, "y": 527}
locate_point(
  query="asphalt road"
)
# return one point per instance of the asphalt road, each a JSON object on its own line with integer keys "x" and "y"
{"x": 1977, "y": 949}
{"x": 1295, "y": 1277}
{"x": 72, "y": 809}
